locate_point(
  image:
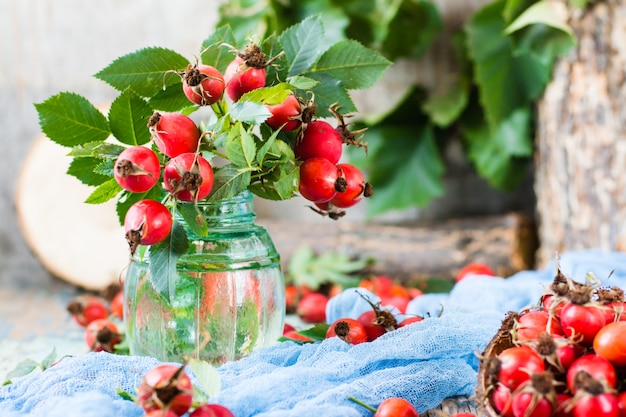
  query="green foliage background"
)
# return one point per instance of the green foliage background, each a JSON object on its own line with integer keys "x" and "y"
{"x": 505, "y": 54}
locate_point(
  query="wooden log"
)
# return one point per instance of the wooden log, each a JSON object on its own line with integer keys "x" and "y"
{"x": 416, "y": 251}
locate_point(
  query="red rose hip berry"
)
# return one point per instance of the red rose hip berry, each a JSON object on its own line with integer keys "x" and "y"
{"x": 319, "y": 139}
{"x": 147, "y": 222}
{"x": 174, "y": 133}
{"x": 102, "y": 335}
{"x": 356, "y": 187}
{"x": 285, "y": 114}
{"x": 189, "y": 177}
{"x": 320, "y": 180}
{"x": 137, "y": 169}
{"x": 165, "y": 387}
{"x": 242, "y": 78}
{"x": 203, "y": 84}
{"x": 349, "y": 330}
{"x": 87, "y": 308}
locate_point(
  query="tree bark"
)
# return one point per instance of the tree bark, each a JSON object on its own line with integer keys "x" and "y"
{"x": 581, "y": 153}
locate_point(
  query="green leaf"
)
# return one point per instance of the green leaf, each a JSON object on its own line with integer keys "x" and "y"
{"x": 501, "y": 155}
{"x": 145, "y": 71}
{"x": 50, "y": 359}
{"x": 196, "y": 222}
{"x": 581, "y": 4}
{"x": 106, "y": 167}
{"x": 248, "y": 112}
{"x": 270, "y": 96}
{"x": 128, "y": 118}
{"x": 281, "y": 188}
{"x": 330, "y": 91}
{"x": 265, "y": 147}
{"x": 70, "y": 119}
{"x": 163, "y": 258}
{"x": 404, "y": 179}
{"x": 513, "y": 8}
{"x": 105, "y": 192}
{"x": 101, "y": 150}
{"x": 302, "y": 83}
{"x": 507, "y": 79}
{"x": 303, "y": 44}
{"x": 208, "y": 377}
{"x": 23, "y": 368}
{"x": 172, "y": 99}
{"x": 228, "y": 182}
{"x": 412, "y": 30}
{"x": 539, "y": 13}
{"x": 446, "y": 108}
{"x": 240, "y": 147}
{"x": 216, "y": 48}
{"x": 84, "y": 169}
{"x": 317, "y": 332}
{"x": 352, "y": 64}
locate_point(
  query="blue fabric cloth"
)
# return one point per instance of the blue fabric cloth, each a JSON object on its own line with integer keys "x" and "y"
{"x": 425, "y": 362}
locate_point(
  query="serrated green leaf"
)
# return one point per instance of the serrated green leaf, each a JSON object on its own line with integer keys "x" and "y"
{"x": 269, "y": 96}
{"x": 412, "y": 29}
{"x": 500, "y": 155}
{"x": 105, "y": 167}
{"x": 265, "y": 147}
{"x": 196, "y": 222}
{"x": 283, "y": 187}
{"x": 145, "y": 71}
{"x": 228, "y": 182}
{"x": 128, "y": 117}
{"x": 302, "y": 83}
{"x": 443, "y": 110}
{"x": 317, "y": 332}
{"x": 70, "y": 120}
{"x": 208, "y": 377}
{"x": 50, "y": 359}
{"x": 352, "y": 64}
{"x": 105, "y": 192}
{"x": 240, "y": 147}
{"x": 247, "y": 112}
{"x": 172, "y": 99}
{"x": 84, "y": 168}
{"x": 163, "y": 258}
{"x": 328, "y": 92}
{"x": 101, "y": 150}
{"x": 216, "y": 48}
{"x": 23, "y": 368}
{"x": 303, "y": 43}
{"x": 540, "y": 13}
{"x": 507, "y": 79}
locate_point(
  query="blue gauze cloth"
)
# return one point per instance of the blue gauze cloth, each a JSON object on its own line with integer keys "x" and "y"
{"x": 425, "y": 362}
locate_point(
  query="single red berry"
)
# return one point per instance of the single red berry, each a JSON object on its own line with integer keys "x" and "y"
{"x": 117, "y": 305}
{"x": 203, "y": 84}
{"x": 349, "y": 330}
{"x": 147, "y": 222}
{"x": 321, "y": 140}
{"x": 102, "y": 335}
{"x": 396, "y": 407}
{"x": 165, "y": 387}
{"x": 474, "y": 268}
{"x": 242, "y": 78}
{"x": 285, "y": 114}
{"x": 319, "y": 180}
{"x": 312, "y": 308}
{"x": 356, "y": 187}
{"x": 87, "y": 308}
{"x": 369, "y": 321}
{"x": 174, "y": 133}
{"x": 297, "y": 337}
{"x": 410, "y": 320}
{"x": 137, "y": 169}
{"x": 211, "y": 410}
{"x": 188, "y": 176}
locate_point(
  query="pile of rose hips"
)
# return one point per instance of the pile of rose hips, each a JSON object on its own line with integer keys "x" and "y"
{"x": 99, "y": 316}
{"x": 188, "y": 176}
{"x": 564, "y": 357}
{"x": 310, "y": 305}
{"x": 166, "y": 391}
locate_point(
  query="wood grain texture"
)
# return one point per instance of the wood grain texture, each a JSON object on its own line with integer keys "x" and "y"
{"x": 581, "y": 152}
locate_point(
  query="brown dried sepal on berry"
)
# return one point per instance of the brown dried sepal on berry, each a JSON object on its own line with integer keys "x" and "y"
{"x": 383, "y": 318}
{"x": 253, "y": 57}
{"x": 329, "y": 210}
{"x": 348, "y": 137}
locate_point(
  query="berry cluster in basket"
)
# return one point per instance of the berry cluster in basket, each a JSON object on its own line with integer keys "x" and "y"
{"x": 564, "y": 357}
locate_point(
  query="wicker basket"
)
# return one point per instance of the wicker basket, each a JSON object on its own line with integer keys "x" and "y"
{"x": 500, "y": 342}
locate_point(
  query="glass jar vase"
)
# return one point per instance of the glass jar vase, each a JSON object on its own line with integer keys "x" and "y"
{"x": 226, "y": 298}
